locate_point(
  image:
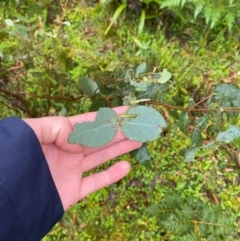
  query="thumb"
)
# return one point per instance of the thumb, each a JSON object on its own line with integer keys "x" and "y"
{"x": 54, "y": 130}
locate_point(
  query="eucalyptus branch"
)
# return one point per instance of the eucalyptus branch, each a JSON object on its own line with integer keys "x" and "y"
{"x": 166, "y": 105}
{"x": 229, "y": 148}
{"x": 201, "y": 101}
{"x": 52, "y": 97}
{"x": 230, "y": 110}
{"x": 191, "y": 109}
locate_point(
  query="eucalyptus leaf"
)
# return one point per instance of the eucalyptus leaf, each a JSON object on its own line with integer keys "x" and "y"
{"x": 128, "y": 75}
{"x": 209, "y": 144}
{"x": 101, "y": 84}
{"x": 116, "y": 101}
{"x": 142, "y": 156}
{"x": 139, "y": 86}
{"x": 190, "y": 154}
{"x": 196, "y": 138}
{"x": 227, "y": 91}
{"x": 156, "y": 77}
{"x": 154, "y": 92}
{"x": 230, "y": 135}
{"x": 97, "y": 133}
{"x": 202, "y": 121}
{"x": 228, "y": 103}
{"x": 184, "y": 121}
{"x": 88, "y": 86}
{"x": 166, "y": 76}
{"x": 142, "y": 123}
{"x": 97, "y": 104}
{"x": 62, "y": 112}
{"x": 9, "y": 22}
{"x": 129, "y": 98}
{"x": 22, "y": 18}
{"x": 229, "y": 96}
{"x": 141, "y": 68}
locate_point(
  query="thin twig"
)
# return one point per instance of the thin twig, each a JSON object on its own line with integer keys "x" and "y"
{"x": 52, "y": 97}
{"x": 166, "y": 105}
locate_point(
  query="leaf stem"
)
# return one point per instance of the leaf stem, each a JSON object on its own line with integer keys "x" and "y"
{"x": 166, "y": 105}
{"x": 52, "y": 97}
{"x": 201, "y": 101}
{"x": 191, "y": 109}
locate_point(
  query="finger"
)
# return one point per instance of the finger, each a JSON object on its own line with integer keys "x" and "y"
{"x": 92, "y": 115}
{"x": 100, "y": 180}
{"x": 57, "y": 129}
{"x": 54, "y": 130}
{"x": 100, "y": 156}
{"x": 119, "y": 137}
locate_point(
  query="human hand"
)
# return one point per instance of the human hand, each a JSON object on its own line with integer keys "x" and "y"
{"x": 67, "y": 162}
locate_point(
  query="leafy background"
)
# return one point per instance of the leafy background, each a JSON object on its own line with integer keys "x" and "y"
{"x": 50, "y": 49}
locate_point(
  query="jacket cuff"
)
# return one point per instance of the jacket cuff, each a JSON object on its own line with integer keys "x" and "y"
{"x": 29, "y": 201}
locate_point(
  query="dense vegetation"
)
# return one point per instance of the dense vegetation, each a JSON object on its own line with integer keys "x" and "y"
{"x": 53, "y": 54}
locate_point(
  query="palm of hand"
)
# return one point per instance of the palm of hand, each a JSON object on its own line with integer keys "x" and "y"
{"x": 68, "y": 162}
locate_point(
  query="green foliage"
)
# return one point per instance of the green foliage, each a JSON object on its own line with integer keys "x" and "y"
{"x": 136, "y": 85}
{"x": 214, "y": 13}
{"x": 227, "y": 95}
{"x": 184, "y": 121}
{"x": 166, "y": 76}
{"x": 230, "y": 135}
{"x": 185, "y": 12}
{"x": 23, "y": 72}
{"x": 88, "y": 86}
{"x": 142, "y": 156}
{"x": 190, "y": 219}
{"x": 116, "y": 15}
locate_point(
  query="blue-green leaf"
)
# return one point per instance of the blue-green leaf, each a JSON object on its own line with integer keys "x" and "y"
{"x": 184, "y": 121}
{"x": 9, "y": 22}
{"x": 145, "y": 125}
{"x": 190, "y": 155}
{"x": 196, "y": 138}
{"x": 154, "y": 92}
{"x": 142, "y": 156}
{"x": 228, "y": 93}
{"x": 202, "y": 122}
{"x": 166, "y": 76}
{"x": 230, "y": 135}
{"x": 141, "y": 68}
{"x": 63, "y": 111}
{"x": 139, "y": 86}
{"x": 97, "y": 133}
{"x": 88, "y": 86}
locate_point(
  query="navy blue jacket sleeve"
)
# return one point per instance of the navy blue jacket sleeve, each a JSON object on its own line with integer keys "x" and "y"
{"x": 29, "y": 201}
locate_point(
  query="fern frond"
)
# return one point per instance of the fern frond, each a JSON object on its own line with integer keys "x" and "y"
{"x": 173, "y": 3}
{"x": 192, "y": 219}
{"x": 229, "y": 18}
